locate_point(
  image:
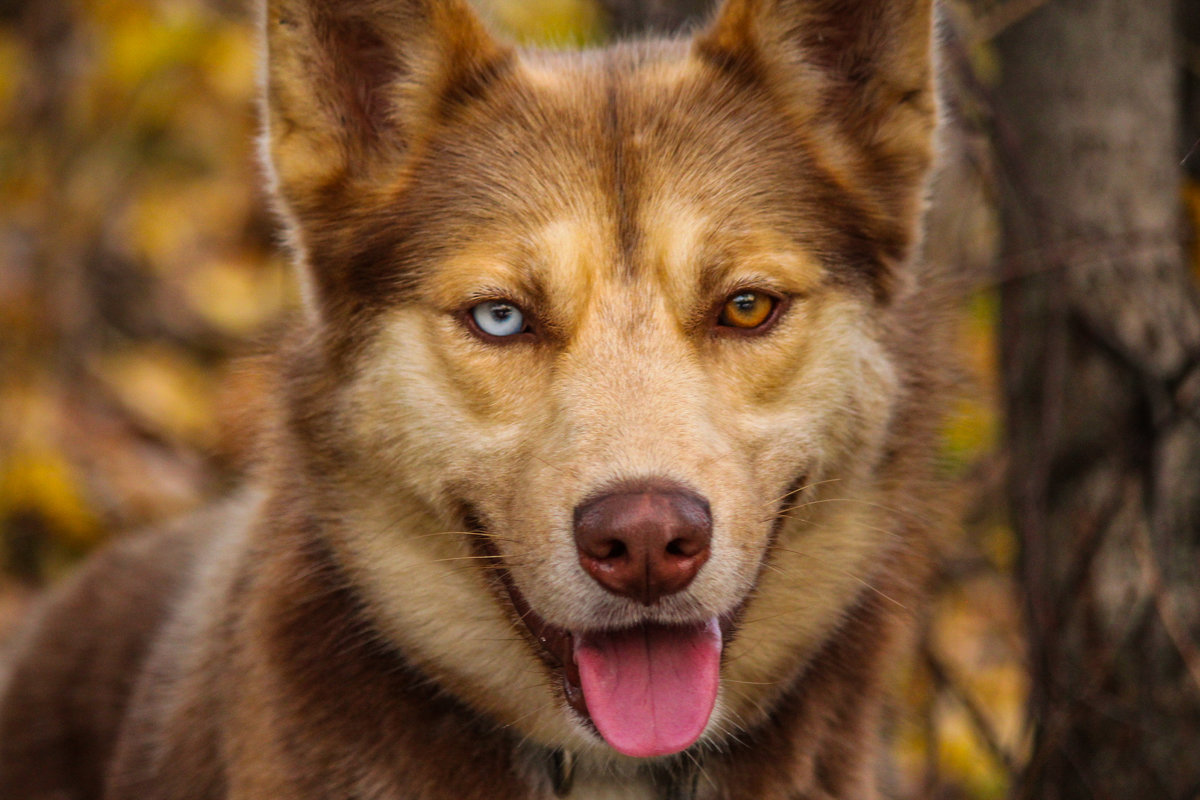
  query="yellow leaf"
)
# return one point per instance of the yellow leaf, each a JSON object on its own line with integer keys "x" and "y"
{"x": 12, "y": 73}
{"x": 560, "y": 23}
{"x": 41, "y": 481}
{"x": 236, "y": 297}
{"x": 164, "y": 389}
{"x": 231, "y": 64}
{"x": 965, "y": 758}
{"x": 1191, "y": 201}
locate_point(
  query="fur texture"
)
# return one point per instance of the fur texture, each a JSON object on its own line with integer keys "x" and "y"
{"x": 352, "y": 626}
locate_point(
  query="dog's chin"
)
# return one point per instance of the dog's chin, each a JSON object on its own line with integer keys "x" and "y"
{"x": 647, "y": 690}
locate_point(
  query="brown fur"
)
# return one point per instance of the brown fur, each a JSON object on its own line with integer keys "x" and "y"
{"x": 340, "y": 630}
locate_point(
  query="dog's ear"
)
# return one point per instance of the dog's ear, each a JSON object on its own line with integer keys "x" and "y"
{"x": 857, "y": 78}
{"x": 353, "y": 87}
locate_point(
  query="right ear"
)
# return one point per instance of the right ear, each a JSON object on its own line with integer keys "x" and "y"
{"x": 355, "y": 86}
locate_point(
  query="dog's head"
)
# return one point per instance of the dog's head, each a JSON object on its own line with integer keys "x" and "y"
{"x": 598, "y": 387}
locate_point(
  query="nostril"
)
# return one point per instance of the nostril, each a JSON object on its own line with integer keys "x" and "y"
{"x": 682, "y": 548}
{"x": 613, "y": 550}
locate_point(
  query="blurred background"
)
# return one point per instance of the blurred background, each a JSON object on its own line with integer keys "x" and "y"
{"x": 140, "y": 276}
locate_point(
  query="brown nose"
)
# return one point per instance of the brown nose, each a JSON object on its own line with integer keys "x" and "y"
{"x": 644, "y": 544}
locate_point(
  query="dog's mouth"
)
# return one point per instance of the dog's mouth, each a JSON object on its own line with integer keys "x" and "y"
{"x": 648, "y": 690}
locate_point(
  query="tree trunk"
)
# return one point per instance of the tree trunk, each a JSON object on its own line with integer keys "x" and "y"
{"x": 1100, "y": 350}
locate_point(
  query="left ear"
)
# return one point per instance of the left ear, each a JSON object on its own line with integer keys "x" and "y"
{"x": 857, "y": 79}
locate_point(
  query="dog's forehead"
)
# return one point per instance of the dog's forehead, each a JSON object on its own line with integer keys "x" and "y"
{"x": 642, "y": 156}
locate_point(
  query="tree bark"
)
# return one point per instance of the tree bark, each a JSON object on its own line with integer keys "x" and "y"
{"x": 1100, "y": 350}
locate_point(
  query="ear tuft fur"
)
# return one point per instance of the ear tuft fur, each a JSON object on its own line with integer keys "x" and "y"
{"x": 352, "y": 85}
{"x": 353, "y": 90}
{"x": 857, "y": 79}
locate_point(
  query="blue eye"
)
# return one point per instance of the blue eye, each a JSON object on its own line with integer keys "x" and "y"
{"x": 498, "y": 318}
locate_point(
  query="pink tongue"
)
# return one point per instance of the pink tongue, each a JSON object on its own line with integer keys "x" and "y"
{"x": 650, "y": 689}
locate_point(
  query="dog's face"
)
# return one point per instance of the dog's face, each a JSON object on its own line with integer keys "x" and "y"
{"x": 609, "y": 381}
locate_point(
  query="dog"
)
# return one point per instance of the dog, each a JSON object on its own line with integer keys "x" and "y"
{"x": 598, "y": 464}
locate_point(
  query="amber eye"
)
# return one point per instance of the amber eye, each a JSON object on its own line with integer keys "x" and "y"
{"x": 747, "y": 310}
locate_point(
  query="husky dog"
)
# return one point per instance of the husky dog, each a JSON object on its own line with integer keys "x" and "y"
{"x": 596, "y": 453}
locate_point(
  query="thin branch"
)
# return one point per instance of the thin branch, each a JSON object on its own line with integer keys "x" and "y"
{"x": 1164, "y": 604}
{"x": 987, "y": 733}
